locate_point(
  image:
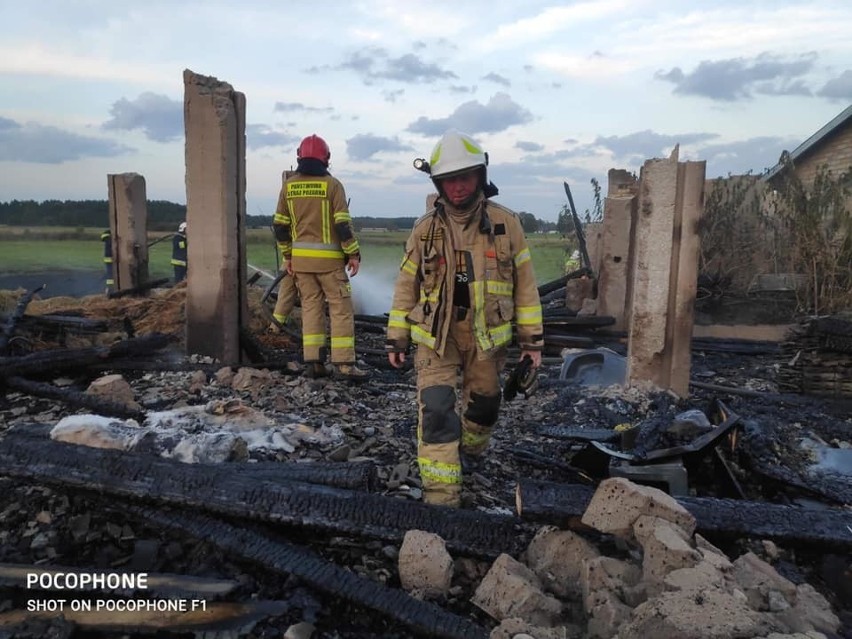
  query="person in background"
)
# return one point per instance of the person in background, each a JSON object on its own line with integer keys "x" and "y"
{"x": 179, "y": 253}
{"x": 314, "y": 233}
{"x": 465, "y": 278}
{"x": 106, "y": 238}
{"x": 573, "y": 263}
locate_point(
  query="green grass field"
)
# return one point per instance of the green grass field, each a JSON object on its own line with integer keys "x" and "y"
{"x": 32, "y": 250}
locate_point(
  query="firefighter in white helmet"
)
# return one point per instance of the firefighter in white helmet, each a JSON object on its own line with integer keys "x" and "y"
{"x": 466, "y": 278}
{"x": 179, "y": 253}
{"x": 314, "y": 232}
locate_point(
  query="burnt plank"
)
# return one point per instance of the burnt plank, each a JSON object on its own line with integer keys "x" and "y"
{"x": 278, "y": 556}
{"x": 356, "y": 475}
{"x": 560, "y": 504}
{"x": 76, "y": 399}
{"x": 290, "y": 502}
{"x": 54, "y": 360}
{"x": 136, "y": 290}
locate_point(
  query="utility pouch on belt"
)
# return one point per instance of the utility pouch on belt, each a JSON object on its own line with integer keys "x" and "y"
{"x": 524, "y": 379}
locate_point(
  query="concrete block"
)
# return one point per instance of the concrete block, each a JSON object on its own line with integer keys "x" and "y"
{"x": 425, "y": 566}
{"x": 556, "y": 557}
{"x": 757, "y": 578}
{"x": 707, "y": 614}
{"x": 618, "y": 503}
{"x": 609, "y": 574}
{"x": 665, "y": 548}
{"x": 606, "y": 616}
{"x": 510, "y": 589}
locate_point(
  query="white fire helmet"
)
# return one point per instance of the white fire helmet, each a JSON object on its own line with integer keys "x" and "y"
{"x": 182, "y": 227}
{"x": 456, "y": 153}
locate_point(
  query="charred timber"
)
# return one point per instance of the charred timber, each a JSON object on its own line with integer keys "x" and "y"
{"x": 15, "y": 317}
{"x": 283, "y": 558}
{"x": 355, "y": 475}
{"x": 563, "y": 431}
{"x": 62, "y": 323}
{"x": 558, "y": 294}
{"x": 288, "y": 502}
{"x": 538, "y": 460}
{"x": 251, "y": 346}
{"x": 75, "y": 399}
{"x": 579, "y": 322}
{"x": 360, "y": 475}
{"x": 54, "y": 360}
{"x": 567, "y": 341}
{"x": 553, "y": 285}
{"x": 136, "y": 290}
{"x": 562, "y": 504}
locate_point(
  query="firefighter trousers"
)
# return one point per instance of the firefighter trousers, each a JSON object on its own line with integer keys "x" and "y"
{"x": 286, "y": 301}
{"x": 314, "y": 290}
{"x": 444, "y": 431}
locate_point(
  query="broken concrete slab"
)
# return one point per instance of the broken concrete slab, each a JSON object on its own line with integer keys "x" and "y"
{"x": 618, "y": 503}
{"x": 425, "y": 566}
{"x": 556, "y": 557}
{"x": 510, "y": 589}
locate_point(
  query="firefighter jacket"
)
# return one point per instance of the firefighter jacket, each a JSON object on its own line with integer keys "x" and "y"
{"x": 312, "y": 224}
{"x": 500, "y": 277}
{"x": 179, "y": 249}
{"x": 106, "y": 238}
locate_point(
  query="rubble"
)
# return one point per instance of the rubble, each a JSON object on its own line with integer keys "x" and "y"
{"x": 633, "y": 565}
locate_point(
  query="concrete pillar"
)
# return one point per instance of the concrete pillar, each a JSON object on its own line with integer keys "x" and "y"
{"x": 593, "y": 232}
{"x": 216, "y": 303}
{"x": 615, "y": 248}
{"x": 664, "y": 277}
{"x": 128, "y": 225}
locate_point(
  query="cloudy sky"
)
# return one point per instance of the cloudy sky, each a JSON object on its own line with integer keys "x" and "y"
{"x": 553, "y": 90}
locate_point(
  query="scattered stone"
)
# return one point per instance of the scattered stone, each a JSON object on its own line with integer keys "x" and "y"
{"x": 425, "y": 566}
{"x": 510, "y": 589}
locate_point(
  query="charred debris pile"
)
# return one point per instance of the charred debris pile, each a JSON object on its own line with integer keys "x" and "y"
{"x": 291, "y": 505}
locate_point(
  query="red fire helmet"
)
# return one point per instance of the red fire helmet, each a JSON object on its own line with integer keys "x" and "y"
{"x": 314, "y": 147}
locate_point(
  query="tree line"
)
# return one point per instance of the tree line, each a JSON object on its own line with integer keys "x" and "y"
{"x": 165, "y": 216}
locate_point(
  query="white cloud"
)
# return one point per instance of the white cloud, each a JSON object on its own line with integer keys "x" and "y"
{"x": 582, "y": 71}
{"x": 35, "y": 59}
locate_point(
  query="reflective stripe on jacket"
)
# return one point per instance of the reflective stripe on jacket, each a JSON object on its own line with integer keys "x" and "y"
{"x": 502, "y": 286}
{"x": 312, "y": 223}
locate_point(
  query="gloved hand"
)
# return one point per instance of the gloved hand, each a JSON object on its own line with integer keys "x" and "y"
{"x": 524, "y": 379}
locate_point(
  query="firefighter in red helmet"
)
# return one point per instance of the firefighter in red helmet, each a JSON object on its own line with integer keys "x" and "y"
{"x": 314, "y": 232}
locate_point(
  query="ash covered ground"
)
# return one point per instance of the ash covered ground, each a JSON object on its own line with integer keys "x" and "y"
{"x": 376, "y": 421}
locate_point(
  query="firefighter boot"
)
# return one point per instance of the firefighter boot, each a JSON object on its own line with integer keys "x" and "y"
{"x": 314, "y": 370}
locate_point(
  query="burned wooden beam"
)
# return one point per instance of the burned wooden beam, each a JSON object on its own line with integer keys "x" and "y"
{"x": 55, "y": 360}
{"x": 73, "y": 398}
{"x": 166, "y": 481}
{"x": 61, "y": 323}
{"x": 142, "y": 288}
{"x": 558, "y": 504}
{"x": 538, "y": 460}
{"x": 354, "y": 475}
{"x": 14, "y": 318}
{"x": 251, "y": 346}
{"x": 280, "y": 557}
{"x": 549, "y": 287}
{"x": 565, "y": 431}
